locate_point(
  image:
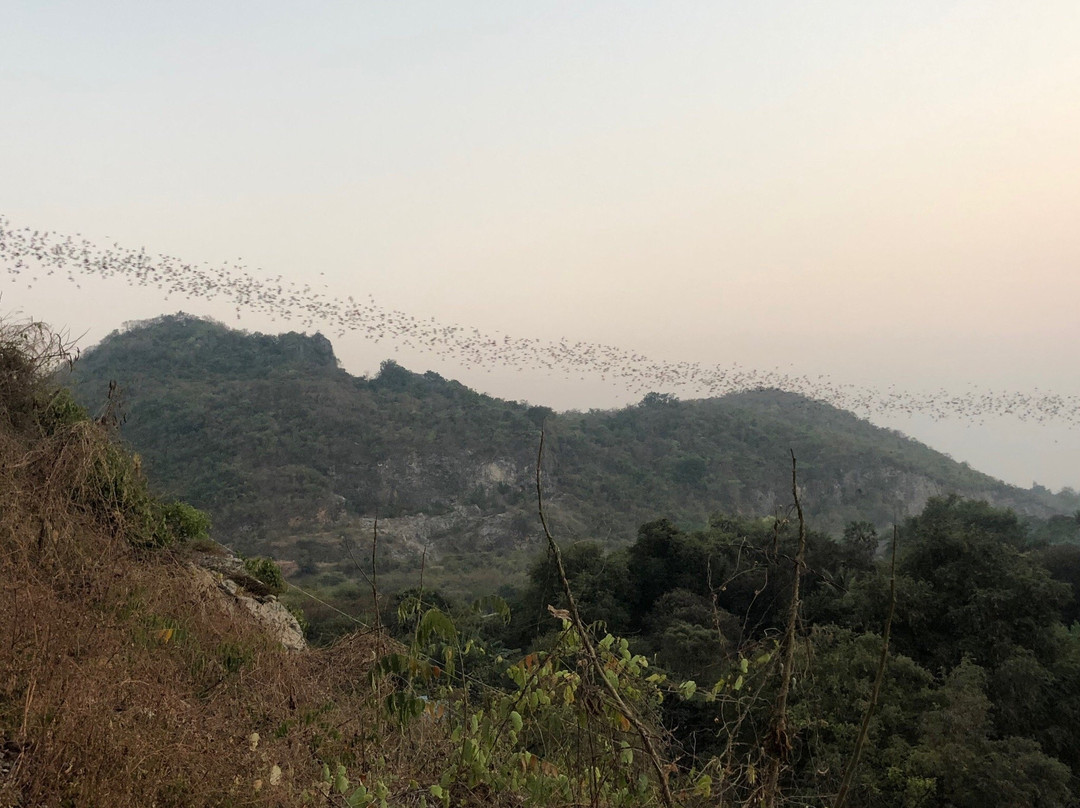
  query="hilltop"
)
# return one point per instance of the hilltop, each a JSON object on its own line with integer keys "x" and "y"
{"x": 289, "y": 452}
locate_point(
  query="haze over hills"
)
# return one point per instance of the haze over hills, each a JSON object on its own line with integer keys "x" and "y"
{"x": 736, "y": 231}
{"x": 284, "y": 448}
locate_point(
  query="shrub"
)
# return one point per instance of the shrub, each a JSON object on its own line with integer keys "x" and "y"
{"x": 62, "y": 410}
{"x": 30, "y": 353}
{"x": 186, "y": 523}
{"x": 266, "y": 571}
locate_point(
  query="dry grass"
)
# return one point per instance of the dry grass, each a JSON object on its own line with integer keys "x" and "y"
{"x": 126, "y": 682}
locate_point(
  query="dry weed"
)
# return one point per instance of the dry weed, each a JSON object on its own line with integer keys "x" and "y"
{"x": 122, "y": 681}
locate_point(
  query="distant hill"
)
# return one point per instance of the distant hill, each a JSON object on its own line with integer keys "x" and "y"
{"x": 284, "y": 448}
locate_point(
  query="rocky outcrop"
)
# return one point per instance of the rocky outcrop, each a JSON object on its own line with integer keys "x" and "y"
{"x": 226, "y": 575}
{"x": 465, "y": 527}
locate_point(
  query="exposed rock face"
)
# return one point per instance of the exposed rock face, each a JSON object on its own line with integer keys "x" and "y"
{"x": 278, "y": 621}
{"x": 226, "y": 575}
{"x": 423, "y": 533}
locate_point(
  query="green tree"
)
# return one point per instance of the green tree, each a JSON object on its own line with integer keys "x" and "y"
{"x": 598, "y": 580}
{"x": 967, "y": 589}
{"x": 663, "y": 558}
{"x": 971, "y": 768}
{"x": 861, "y": 540}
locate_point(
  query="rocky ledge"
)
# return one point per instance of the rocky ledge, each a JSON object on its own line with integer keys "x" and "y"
{"x": 227, "y": 574}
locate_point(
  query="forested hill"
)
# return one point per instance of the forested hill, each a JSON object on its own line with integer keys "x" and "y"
{"x": 275, "y": 440}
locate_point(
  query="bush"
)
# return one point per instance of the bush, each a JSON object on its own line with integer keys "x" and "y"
{"x": 185, "y": 523}
{"x": 116, "y": 492}
{"x": 30, "y": 353}
{"x": 62, "y": 411}
{"x": 101, "y": 478}
{"x": 266, "y": 571}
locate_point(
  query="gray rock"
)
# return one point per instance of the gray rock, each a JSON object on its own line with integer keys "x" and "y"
{"x": 229, "y": 578}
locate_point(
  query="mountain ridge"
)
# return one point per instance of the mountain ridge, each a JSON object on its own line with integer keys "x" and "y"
{"x": 280, "y": 444}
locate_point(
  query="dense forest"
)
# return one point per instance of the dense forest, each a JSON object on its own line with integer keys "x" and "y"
{"x": 980, "y": 700}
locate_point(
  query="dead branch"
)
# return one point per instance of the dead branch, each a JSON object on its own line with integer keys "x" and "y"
{"x": 779, "y": 742}
{"x": 592, "y": 658}
{"x": 856, "y": 753}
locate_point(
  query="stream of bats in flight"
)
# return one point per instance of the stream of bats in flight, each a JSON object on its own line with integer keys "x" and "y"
{"x": 29, "y": 254}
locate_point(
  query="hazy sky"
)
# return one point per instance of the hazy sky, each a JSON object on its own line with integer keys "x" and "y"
{"x": 885, "y": 193}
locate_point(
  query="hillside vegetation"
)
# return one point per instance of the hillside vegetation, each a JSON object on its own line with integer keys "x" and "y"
{"x": 751, "y": 662}
{"x": 289, "y": 453}
{"x": 124, "y": 680}
{"x": 127, "y": 680}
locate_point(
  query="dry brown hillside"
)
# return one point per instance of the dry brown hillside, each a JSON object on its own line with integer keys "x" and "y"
{"x": 127, "y": 680}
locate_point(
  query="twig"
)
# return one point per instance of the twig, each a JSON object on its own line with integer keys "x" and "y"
{"x": 856, "y": 753}
{"x": 26, "y": 708}
{"x": 715, "y": 599}
{"x": 370, "y": 578}
{"x": 374, "y": 581}
{"x": 779, "y": 741}
{"x": 590, "y": 651}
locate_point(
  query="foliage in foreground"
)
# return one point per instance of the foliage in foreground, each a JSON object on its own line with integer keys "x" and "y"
{"x": 126, "y": 679}
{"x": 980, "y": 694}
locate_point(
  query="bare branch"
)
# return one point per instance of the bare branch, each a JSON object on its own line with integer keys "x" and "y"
{"x": 849, "y": 772}
{"x": 779, "y": 742}
{"x": 593, "y": 659}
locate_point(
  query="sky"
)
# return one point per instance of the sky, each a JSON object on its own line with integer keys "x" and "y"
{"x": 878, "y": 194}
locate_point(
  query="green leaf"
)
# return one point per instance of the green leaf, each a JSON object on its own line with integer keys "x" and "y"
{"x": 341, "y": 781}
{"x": 436, "y": 623}
{"x": 492, "y": 606}
{"x": 703, "y": 786}
{"x": 396, "y": 664}
{"x": 407, "y": 608}
{"x": 643, "y": 783}
{"x": 469, "y": 750}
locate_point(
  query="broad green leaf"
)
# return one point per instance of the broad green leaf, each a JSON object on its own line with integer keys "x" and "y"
{"x": 436, "y": 623}
{"x": 492, "y": 606}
